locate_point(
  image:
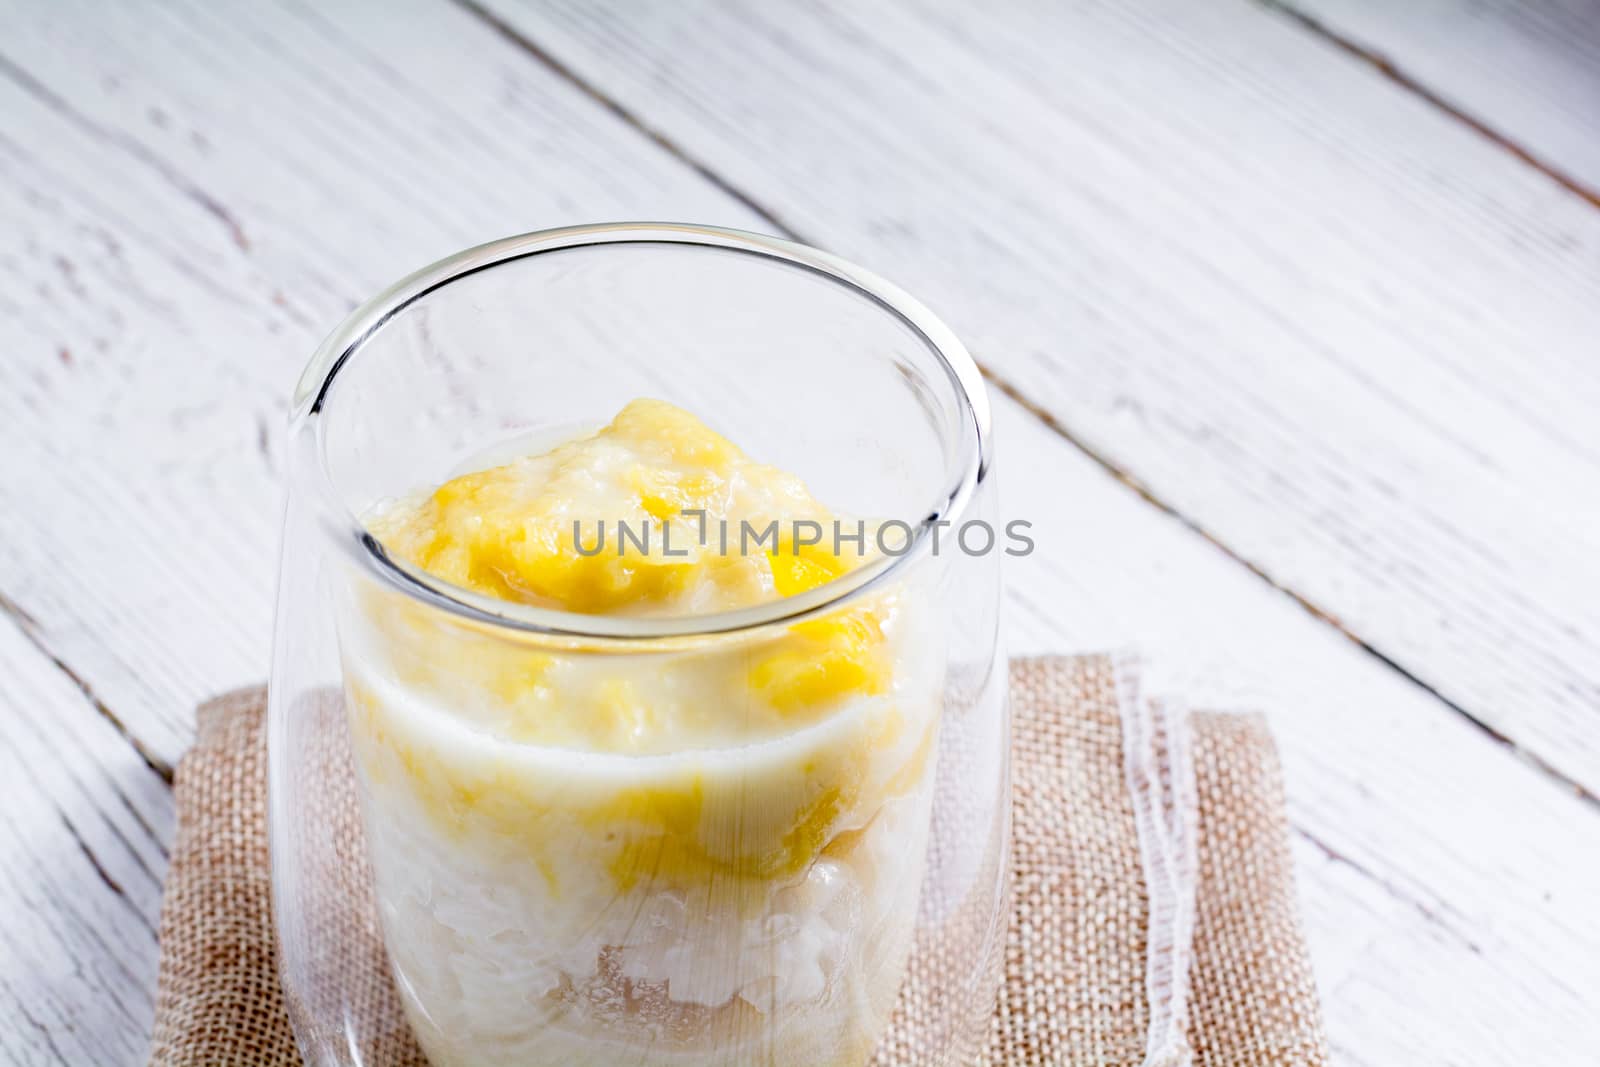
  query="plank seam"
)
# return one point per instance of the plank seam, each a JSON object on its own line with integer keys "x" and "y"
{"x": 1426, "y": 911}
{"x": 1054, "y": 424}
{"x": 105, "y": 875}
{"x": 1393, "y": 72}
{"x": 634, "y": 120}
{"x": 31, "y": 630}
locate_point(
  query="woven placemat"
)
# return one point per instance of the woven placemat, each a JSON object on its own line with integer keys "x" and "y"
{"x": 1094, "y": 966}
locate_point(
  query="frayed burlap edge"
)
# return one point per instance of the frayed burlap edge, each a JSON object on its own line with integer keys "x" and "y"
{"x": 1078, "y": 972}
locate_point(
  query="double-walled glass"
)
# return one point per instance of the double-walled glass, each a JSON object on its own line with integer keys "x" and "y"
{"x": 452, "y": 889}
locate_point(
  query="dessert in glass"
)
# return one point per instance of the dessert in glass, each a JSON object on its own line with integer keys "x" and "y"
{"x": 625, "y": 703}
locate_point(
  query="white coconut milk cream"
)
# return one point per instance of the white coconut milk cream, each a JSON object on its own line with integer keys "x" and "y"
{"x": 704, "y": 853}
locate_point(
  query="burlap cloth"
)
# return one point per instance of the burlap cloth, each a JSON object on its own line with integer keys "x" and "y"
{"x": 1153, "y": 923}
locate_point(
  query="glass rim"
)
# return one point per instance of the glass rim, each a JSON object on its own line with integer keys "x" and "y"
{"x": 972, "y": 454}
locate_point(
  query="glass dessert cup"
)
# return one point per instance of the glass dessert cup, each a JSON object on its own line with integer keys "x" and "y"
{"x": 773, "y": 833}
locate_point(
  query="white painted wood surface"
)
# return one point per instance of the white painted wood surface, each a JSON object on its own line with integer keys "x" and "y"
{"x": 189, "y": 197}
{"x": 1528, "y": 70}
{"x": 83, "y": 831}
{"x": 272, "y": 168}
{"x": 1335, "y": 328}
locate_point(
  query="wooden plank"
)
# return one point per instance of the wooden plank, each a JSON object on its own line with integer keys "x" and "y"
{"x": 1528, "y": 70}
{"x": 190, "y": 198}
{"x": 1341, "y": 332}
{"x": 1430, "y": 883}
{"x": 83, "y": 828}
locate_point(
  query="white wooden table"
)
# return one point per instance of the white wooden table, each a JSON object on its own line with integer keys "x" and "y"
{"x": 1292, "y": 310}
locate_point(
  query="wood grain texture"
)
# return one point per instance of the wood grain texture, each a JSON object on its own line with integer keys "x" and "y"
{"x": 1338, "y": 330}
{"x": 83, "y": 826}
{"x": 190, "y": 198}
{"x": 221, "y": 186}
{"x": 1528, "y": 70}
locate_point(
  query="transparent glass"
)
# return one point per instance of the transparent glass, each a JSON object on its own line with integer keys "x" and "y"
{"x": 815, "y": 891}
